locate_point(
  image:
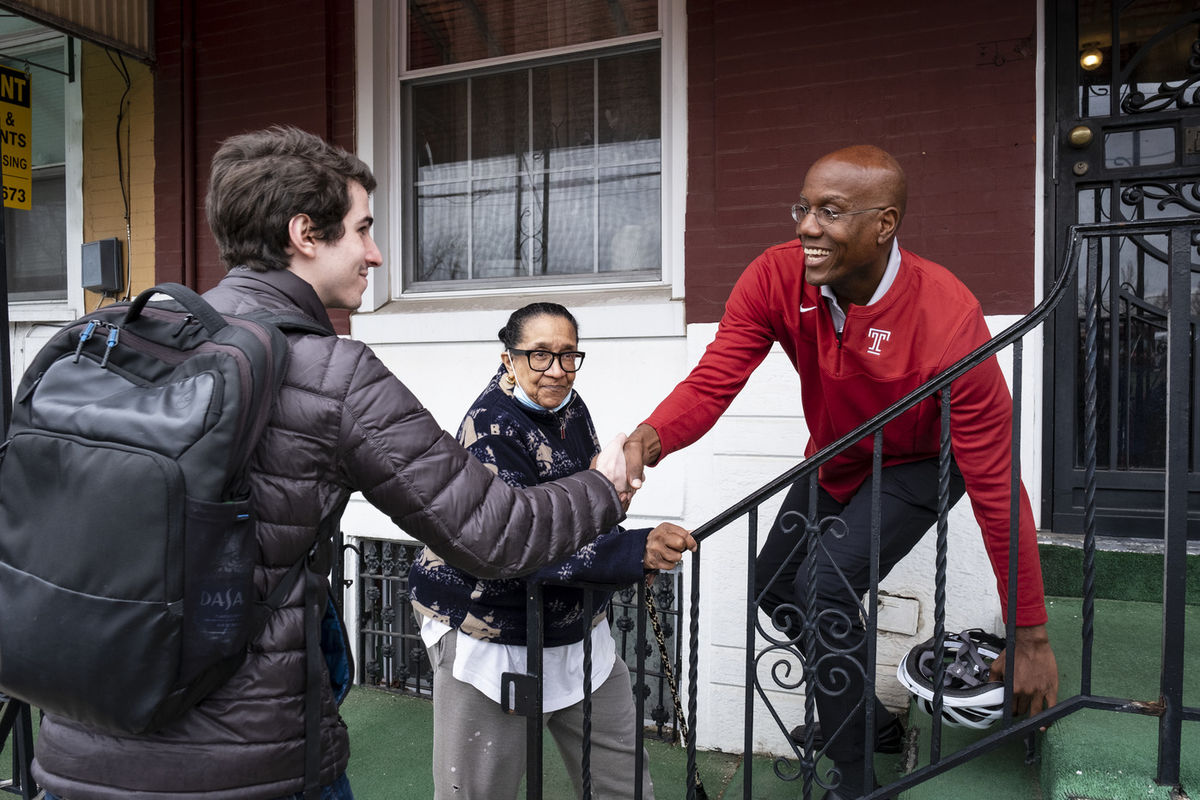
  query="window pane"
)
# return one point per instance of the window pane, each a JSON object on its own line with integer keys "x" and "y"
{"x": 500, "y": 214}
{"x": 37, "y": 241}
{"x": 441, "y": 235}
{"x": 1139, "y": 148}
{"x": 49, "y": 144}
{"x": 563, "y": 224}
{"x": 630, "y": 231}
{"x": 522, "y": 228}
{"x": 500, "y": 124}
{"x": 629, "y": 102}
{"x": 440, "y": 131}
{"x": 564, "y": 120}
{"x": 555, "y": 171}
{"x": 444, "y": 32}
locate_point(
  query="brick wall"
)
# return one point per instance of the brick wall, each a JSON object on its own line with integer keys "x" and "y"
{"x": 103, "y": 205}
{"x": 947, "y": 87}
{"x": 256, "y": 64}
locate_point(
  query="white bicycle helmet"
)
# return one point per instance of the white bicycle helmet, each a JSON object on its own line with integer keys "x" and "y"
{"x": 968, "y": 699}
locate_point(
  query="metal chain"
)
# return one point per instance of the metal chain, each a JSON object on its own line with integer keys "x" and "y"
{"x": 672, "y": 684}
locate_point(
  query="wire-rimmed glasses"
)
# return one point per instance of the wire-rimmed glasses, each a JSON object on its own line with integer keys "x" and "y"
{"x": 826, "y": 216}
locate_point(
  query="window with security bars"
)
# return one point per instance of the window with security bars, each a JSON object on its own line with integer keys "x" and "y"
{"x": 532, "y": 145}
{"x": 392, "y": 656}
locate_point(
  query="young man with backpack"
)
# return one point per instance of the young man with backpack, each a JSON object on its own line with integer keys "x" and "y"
{"x": 291, "y": 217}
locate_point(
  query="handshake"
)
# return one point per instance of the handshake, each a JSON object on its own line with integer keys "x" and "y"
{"x": 623, "y": 462}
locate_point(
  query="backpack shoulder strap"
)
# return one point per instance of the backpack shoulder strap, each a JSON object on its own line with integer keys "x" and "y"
{"x": 290, "y": 322}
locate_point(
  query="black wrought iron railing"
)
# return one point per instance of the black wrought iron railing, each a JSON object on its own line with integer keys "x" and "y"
{"x": 390, "y": 653}
{"x": 799, "y": 648}
{"x": 644, "y": 620}
{"x": 16, "y": 728}
{"x": 392, "y": 657}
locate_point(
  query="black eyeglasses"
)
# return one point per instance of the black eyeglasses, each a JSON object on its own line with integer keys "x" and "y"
{"x": 541, "y": 360}
{"x": 826, "y": 216}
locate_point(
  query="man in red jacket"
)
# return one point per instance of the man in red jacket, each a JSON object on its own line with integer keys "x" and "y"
{"x": 864, "y": 322}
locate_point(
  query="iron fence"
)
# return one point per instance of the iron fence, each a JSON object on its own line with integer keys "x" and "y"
{"x": 392, "y": 657}
{"x": 390, "y": 653}
{"x": 16, "y": 728}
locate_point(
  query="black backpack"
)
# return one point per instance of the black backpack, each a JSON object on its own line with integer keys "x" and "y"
{"x": 127, "y": 536}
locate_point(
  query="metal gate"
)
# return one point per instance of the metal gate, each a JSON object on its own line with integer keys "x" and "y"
{"x": 1126, "y": 146}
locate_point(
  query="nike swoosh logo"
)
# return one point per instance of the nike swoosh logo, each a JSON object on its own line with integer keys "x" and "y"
{"x": 804, "y": 310}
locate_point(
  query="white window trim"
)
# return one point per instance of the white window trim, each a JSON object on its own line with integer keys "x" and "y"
{"x": 72, "y": 307}
{"x": 379, "y": 126}
{"x": 481, "y": 64}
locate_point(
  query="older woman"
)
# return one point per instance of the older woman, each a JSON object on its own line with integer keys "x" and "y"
{"x": 530, "y": 426}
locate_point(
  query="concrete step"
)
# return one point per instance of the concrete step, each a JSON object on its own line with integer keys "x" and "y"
{"x": 1126, "y": 569}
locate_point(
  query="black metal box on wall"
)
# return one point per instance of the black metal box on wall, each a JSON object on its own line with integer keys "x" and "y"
{"x": 101, "y": 267}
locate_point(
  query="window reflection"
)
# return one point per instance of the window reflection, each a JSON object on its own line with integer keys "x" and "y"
{"x": 1139, "y": 148}
{"x": 1146, "y": 69}
{"x": 546, "y": 171}
{"x": 446, "y": 32}
{"x": 1131, "y": 379}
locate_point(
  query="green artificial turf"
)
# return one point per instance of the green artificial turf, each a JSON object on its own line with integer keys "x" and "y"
{"x": 1107, "y": 755}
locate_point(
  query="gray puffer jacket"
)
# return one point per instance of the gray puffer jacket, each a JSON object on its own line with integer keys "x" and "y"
{"x": 343, "y": 423}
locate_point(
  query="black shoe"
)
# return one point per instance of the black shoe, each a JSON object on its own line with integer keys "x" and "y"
{"x": 888, "y": 739}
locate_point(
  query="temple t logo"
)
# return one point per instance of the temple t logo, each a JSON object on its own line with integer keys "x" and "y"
{"x": 877, "y": 337}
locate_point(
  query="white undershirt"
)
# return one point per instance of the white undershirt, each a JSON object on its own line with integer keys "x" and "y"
{"x": 885, "y": 283}
{"x": 481, "y": 663}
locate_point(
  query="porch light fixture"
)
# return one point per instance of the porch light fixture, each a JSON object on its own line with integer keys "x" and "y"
{"x": 1091, "y": 57}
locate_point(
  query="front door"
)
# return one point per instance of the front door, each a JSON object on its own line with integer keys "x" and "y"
{"x": 1126, "y": 147}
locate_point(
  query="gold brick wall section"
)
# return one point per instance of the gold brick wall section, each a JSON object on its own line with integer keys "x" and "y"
{"x": 104, "y": 83}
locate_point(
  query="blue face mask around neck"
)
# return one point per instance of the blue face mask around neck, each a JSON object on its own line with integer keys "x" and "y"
{"x": 525, "y": 400}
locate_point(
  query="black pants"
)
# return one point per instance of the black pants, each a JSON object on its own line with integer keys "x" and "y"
{"x": 842, "y": 564}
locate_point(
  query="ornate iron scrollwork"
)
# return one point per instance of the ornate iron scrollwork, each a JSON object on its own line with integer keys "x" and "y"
{"x": 1185, "y": 195}
{"x": 814, "y": 651}
{"x": 1167, "y": 95}
{"x": 1137, "y": 102}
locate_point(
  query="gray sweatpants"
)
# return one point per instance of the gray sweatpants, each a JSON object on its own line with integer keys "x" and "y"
{"x": 479, "y": 751}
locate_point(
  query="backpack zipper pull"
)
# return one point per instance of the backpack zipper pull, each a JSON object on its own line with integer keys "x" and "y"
{"x": 113, "y": 336}
{"x": 183, "y": 323}
{"x": 84, "y": 335}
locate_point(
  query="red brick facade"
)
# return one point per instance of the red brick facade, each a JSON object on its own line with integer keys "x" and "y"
{"x": 946, "y": 87}
{"x": 254, "y": 65}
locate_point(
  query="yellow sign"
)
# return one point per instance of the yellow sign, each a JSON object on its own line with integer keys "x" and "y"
{"x": 16, "y": 135}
